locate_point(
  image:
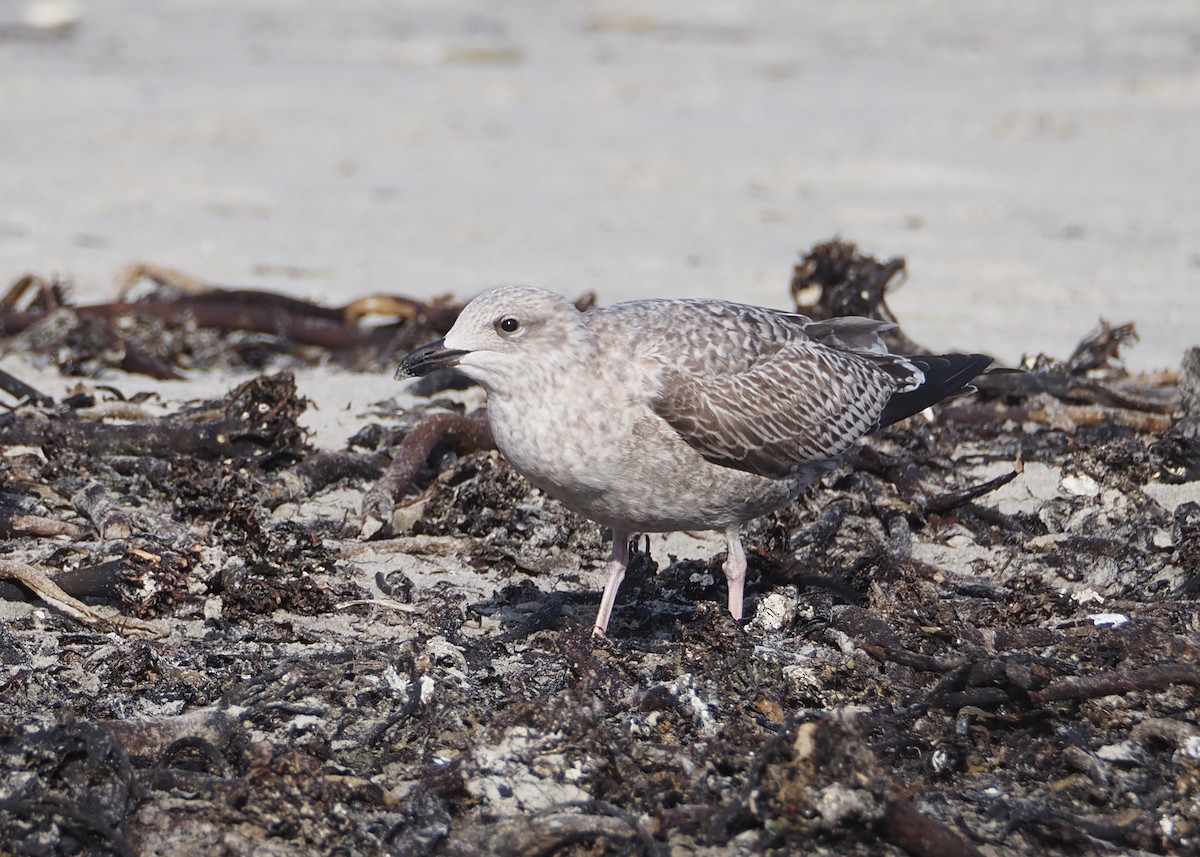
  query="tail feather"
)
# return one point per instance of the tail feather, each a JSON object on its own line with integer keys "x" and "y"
{"x": 945, "y": 375}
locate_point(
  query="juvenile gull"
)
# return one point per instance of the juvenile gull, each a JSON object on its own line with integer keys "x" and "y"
{"x": 666, "y": 415}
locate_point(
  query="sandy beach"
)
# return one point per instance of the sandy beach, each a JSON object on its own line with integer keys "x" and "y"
{"x": 1035, "y": 165}
{"x": 280, "y": 607}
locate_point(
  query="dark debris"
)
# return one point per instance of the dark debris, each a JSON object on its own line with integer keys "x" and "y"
{"x": 926, "y": 668}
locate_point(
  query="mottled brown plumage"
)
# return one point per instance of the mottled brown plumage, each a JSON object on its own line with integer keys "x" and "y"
{"x": 664, "y": 415}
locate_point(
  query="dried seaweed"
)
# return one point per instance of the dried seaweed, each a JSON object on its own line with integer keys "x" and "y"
{"x": 979, "y": 637}
{"x": 187, "y": 323}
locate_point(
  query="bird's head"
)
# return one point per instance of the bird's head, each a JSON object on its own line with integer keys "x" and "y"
{"x": 503, "y": 336}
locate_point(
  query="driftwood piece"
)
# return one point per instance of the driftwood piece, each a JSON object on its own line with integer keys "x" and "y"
{"x": 255, "y": 422}
{"x": 318, "y": 471}
{"x": 464, "y": 434}
{"x": 1154, "y": 678}
{"x": 14, "y": 523}
{"x": 98, "y": 505}
{"x": 52, "y": 594}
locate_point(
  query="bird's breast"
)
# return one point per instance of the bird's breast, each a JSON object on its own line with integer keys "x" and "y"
{"x": 563, "y": 441}
{"x": 620, "y": 464}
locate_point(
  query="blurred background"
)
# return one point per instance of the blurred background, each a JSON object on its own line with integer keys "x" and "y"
{"x": 1037, "y": 164}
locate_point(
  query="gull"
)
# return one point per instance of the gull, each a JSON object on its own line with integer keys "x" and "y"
{"x": 664, "y": 415}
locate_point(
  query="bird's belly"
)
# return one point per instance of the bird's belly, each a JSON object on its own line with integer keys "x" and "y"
{"x": 655, "y": 502}
{"x": 631, "y": 473}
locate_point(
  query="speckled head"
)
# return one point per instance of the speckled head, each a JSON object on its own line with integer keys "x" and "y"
{"x": 505, "y": 335}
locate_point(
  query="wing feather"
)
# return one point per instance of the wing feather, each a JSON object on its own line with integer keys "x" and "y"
{"x": 797, "y": 404}
{"x": 757, "y": 389}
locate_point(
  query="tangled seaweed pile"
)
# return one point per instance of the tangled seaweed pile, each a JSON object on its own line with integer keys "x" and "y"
{"x": 979, "y": 637}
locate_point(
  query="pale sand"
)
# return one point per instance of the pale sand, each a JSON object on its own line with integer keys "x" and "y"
{"x": 1035, "y": 163}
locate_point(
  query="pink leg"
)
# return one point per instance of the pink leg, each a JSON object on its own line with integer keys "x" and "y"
{"x": 618, "y": 560}
{"x": 735, "y": 571}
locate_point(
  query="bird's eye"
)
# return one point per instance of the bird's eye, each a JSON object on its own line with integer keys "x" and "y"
{"x": 508, "y": 324}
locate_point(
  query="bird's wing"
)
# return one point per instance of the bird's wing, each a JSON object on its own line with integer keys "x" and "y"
{"x": 791, "y": 403}
{"x": 754, "y": 388}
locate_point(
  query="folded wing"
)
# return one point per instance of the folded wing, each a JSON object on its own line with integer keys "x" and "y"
{"x": 801, "y": 403}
